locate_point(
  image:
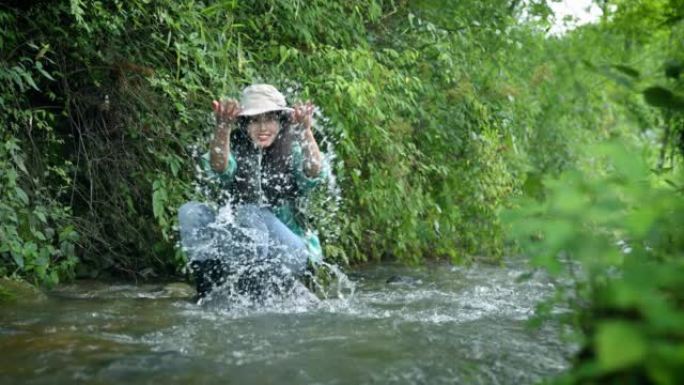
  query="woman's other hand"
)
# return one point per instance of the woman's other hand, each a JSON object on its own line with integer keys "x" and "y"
{"x": 226, "y": 111}
{"x": 303, "y": 115}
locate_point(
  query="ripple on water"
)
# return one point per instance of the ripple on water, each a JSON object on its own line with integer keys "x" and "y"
{"x": 443, "y": 325}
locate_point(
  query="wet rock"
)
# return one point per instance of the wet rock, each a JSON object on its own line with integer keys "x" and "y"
{"x": 402, "y": 280}
{"x": 178, "y": 290}
{"x": 15, "y": 290}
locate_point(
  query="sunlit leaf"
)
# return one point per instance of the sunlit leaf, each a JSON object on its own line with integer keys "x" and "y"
{"x": 619, "y": 345}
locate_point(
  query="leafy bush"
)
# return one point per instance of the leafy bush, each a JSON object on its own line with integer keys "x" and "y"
{"x": 125, "y": 88}
{"x": 611, "y": 229}
{"x": 618, "y": 237}
{"x": 438, "y": 114}
{"x": 37, "y": 237}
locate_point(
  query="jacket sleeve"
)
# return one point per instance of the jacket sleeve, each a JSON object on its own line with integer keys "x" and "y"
{"x": 304, "y": 182}
{"x": 226, "y": 176}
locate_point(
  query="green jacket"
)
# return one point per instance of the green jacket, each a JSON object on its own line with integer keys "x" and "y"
{"x": 285, "y": 212}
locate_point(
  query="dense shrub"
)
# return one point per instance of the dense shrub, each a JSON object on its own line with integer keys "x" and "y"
{"x": 611, "y": 229}
{"x": 37, "y": 235}
{"x": 120, "y": 91}
{"x": 437, "y": 114}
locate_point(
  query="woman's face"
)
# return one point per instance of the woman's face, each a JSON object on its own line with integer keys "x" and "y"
{"x": 263, "y": 129}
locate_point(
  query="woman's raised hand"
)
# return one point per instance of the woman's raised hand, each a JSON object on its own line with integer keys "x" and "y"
{"x": 303, "y": 114}
{"x": 226, "y": 111}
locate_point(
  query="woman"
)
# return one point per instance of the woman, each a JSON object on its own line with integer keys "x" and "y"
{"x": 265, "y": 155}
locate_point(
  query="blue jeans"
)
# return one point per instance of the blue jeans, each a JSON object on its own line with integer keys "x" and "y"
{"x": 252, "y": 238}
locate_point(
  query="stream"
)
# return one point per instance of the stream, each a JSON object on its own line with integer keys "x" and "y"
{"x": 435, "y": 324}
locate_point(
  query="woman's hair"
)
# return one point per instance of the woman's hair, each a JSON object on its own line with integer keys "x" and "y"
{"x": 276, "y": 161}
{"x": 283, "y": 119}
{"x": 282, "y": 145}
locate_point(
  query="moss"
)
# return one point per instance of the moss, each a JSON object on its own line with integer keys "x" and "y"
{"x": 6, "y": 295}
{"x": 15, "y": 290}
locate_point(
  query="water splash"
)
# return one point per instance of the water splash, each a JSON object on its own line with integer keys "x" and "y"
{"x": 439, "y": 325}
{"x": 262, "y": 284}
{"x": 328, "y": 281}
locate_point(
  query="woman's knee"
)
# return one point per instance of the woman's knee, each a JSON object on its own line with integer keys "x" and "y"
{"x": 281, "y": 234}
{"x": 194, "y": 214}
{"x": 249, "y": 216}
{"x": 194, "y": 219}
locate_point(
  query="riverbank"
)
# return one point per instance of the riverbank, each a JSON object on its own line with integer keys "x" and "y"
{"x": 14, "y": 291}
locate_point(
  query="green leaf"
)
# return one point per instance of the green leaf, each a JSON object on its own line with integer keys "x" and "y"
{"x": 588, "y": 64}
{"x": 40, "y": 216}
{"x": 159, "y": 199}
{"x": 284, "y": 54}
{"x": 21, "y": 195}
{"x": 53, "y": 277}
{"x": 42, "y": 52}
{"x": 662, "y": 97}
{"x": 18, "y": 259}
{"x": 673, "y": 69}
{"x": 29, "y": 80}
{"x": 68, "y": 234}
{"x": 39, "y": 68}
{"x": 39, "y": 235}
{"x": 629, "y": 71}
{"x": 19, "y": 161}
{"x": 619, "y": 345}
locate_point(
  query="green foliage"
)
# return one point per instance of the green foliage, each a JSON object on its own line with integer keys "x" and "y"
{"x": 37, "y": 237}
{"x": 426, "y": 147}
{"x": 610, "y": 229}
{"x": 618, "y": 237}
{"x": 438, "y": 114}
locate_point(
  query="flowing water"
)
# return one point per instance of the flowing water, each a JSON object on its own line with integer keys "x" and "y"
{"x": 437, "y": 324}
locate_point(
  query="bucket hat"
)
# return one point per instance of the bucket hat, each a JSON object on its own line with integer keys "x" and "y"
{"x": 260, "y": 98}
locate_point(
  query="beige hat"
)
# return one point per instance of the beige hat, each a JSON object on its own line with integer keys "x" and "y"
{"x": 260, "y": 98}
